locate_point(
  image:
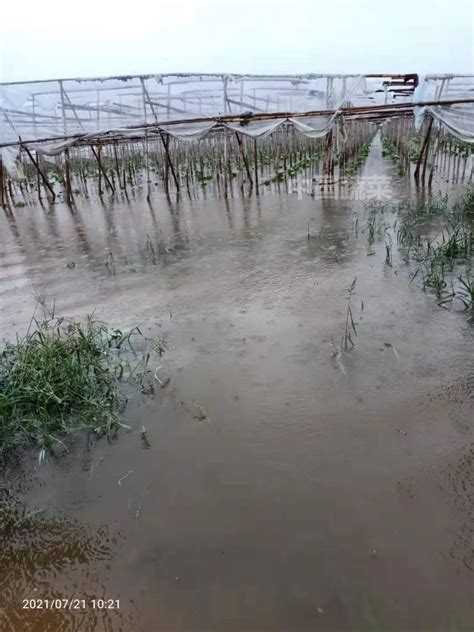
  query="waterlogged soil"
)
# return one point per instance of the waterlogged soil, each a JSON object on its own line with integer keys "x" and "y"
{"x": 281, "y": 486}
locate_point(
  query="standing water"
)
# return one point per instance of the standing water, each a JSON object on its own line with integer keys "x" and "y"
{"x": 276, "y": 481}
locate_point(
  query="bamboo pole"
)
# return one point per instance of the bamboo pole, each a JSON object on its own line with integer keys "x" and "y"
{"x": 435, "y": 156}
{"x": 392, "y": 109}
{"x": 40, "y": 173}
{"x": 244, "y": 157}
{"x": 224, "y": 163}
{"x": 427, "y": 151}
{"x": 255, "y": 165}
{"x": 168, "y": 159}
{"x": 147, "y": 170}
{"x": 423, "y": 149}
{"x": 96, "y": 153}
{"x": 68, "y": 178}
{"x": 328, "y": 154}
{"x": 117, "y": 167}
{"x": 3, "y": 198}
{"x": 100, "y": 181}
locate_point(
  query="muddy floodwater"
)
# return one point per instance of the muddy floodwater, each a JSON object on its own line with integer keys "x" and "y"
{"x": 319, "y": 493}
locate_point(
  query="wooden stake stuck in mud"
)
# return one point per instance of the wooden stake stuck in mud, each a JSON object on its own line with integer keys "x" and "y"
{"x": 68, "y": 177}
{"x": 166, "y": 140}
{"x": 328, "y": 160}
{"x": 424, "y": 149}
{"x": 40, "y": 173}
{"x": 97, "y": 153}
{"x": 255, "y": 165}
{"x": 244, "y": 158}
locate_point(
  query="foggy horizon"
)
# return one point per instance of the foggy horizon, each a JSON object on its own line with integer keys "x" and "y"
{"x": 198, "y": 36}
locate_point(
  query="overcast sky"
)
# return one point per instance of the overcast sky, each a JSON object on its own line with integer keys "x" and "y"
{"x": 42, "y": 39}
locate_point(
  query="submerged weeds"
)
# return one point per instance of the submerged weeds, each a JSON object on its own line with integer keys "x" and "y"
{"x": 465, "y": 292}
{"x": 437, "y": 235}
{"x": 63, "y": 376}
{"x": 440, "y": 255}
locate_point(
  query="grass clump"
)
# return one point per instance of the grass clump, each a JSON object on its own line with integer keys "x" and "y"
{"x": 63, "y": 376}
{"x": 438, "y": 256}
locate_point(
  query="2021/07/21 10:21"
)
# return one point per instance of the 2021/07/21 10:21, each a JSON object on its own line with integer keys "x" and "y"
{"x": 71, "y": 604}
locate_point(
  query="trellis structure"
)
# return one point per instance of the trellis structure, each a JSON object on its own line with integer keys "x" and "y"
{"x": 186, "y": 106}
{"x": 47, "y": 118}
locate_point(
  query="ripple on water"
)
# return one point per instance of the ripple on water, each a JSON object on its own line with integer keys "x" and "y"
{"x": 44, "y": 556}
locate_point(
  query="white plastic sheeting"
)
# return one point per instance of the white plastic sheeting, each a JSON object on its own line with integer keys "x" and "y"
{"x": 187, "y": 107}
{"x": 314, "y": 126}
{"x": 57, "y": 114}
{"x": 9, "y": 159}
{"x": 68, "y": 107}
{"x": 457, "y": 119}
{"x": 256, "y": 129}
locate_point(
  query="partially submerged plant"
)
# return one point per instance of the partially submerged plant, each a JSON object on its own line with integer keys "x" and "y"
{"x": 350, "y": 329}
{"x": 110, "y": 263}
{"x": 390, "y": 149}
{"x": 349, "y": 326}
{"x": 466, "y": 292}
{"x": 439, "y": 254}
{"x": 376, "y": 226}
{"x": 356, "y": 161}
{"x": 388, "y": 250}
{"x": 145, "y": 441}
{"x": 436, "y": 257}
{"x": 201, "y": 415}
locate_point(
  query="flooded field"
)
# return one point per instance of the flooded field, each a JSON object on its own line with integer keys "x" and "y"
{"x": 284, "y": 484}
